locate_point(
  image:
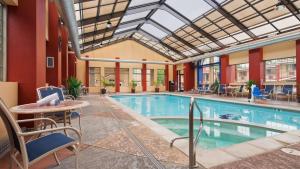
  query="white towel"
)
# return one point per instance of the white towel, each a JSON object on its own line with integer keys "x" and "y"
{"x": 48, "y": 100}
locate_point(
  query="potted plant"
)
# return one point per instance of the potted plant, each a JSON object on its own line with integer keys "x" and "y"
{"x": 215, "y": 87}
{"x": 248, "y": 87}
{"x": 73, "y": 86}
{"x": 105, "y": 83}
{"x": 156, "y": 84}
{"x": 133, "y": 86}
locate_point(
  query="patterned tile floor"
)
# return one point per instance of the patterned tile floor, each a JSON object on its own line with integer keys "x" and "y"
{"x": 114, "y": 140}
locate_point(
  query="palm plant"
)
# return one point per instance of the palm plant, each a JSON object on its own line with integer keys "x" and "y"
{"x": 74, "y": 86}
{"x": 248, "y": 87}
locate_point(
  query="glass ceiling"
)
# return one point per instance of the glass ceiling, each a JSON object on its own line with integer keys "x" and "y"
{"x": 179, "y": 29}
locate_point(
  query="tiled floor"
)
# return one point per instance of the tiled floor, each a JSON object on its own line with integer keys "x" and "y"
{"x": 113, "y": 139}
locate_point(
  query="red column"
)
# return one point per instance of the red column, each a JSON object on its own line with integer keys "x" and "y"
{"x": 256, "y": 68}
{"x": 175, "y": 76}
{"x": 54, "y": 46}
{"x": 72, "y": 64}
{"x": 144, "y": 76}
{"x": 224, "y": 61}
{"x": 87, "y": 73}
{"x": 117, "y": 76}
{"x": 64, "y": 55}
{"x": 189, "y": 76}
{"x": 26, "y": 48}
{"x": 167, "y": 77}
{"x": 298, "y": 66}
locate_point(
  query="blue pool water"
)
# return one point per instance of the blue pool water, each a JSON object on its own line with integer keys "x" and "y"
{"x": 169, "y": 105}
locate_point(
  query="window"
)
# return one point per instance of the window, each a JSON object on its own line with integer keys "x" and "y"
{"x": 2, "y": 43}
{"x": 137, "y": 76}
{"x": 109, "y": 75}
{"x": 124, "y": 77}
{"x": 280, "y": 70}
{"x": 161, "y": 76}
{"x": 94, "y": 76}
{"x": 242, "y": 72}
{"x": 206, "y": 71}
{"x": 150, "y": 77}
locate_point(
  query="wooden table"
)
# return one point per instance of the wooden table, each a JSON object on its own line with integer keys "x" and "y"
{"x": 35, "y": 109}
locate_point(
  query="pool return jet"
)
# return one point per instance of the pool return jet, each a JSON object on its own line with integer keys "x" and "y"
{"x": 192, "y": 142}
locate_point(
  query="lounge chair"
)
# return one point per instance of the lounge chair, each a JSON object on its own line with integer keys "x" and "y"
{"x": 59, "y": 116}
{"x": 222, "y": 89}
{"x": 268, "y": 90}
{"x": 205, "y": 89}
{"x": 257, "y": 94}
{"x": 287, "y": 91}
{"x": 35, "y": 150}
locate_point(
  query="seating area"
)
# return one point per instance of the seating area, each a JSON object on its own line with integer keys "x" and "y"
{"x": 138, "y": 84}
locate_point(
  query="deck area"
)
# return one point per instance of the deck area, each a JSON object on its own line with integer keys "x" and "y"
{"x": 112, "y": 139}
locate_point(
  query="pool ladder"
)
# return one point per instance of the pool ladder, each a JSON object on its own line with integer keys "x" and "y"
{"x": 192, "y": 142}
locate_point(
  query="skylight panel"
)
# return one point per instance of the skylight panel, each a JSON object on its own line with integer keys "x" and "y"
{"x": 190, "y": 8}
{"x": 135, "y": 16}
{"x": 263, "y": 30}
{"x": 167, "y": 20}
{"x": 141, "y": 2}
{"x": 127, "y": 28}
{"x": 286, "y": 23}
{"x": 154, "y": 31}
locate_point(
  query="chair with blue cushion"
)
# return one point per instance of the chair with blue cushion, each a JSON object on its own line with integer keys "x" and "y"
{"x": 257, "y": 94}
{"x": 268, "y": 90}
{"x": 33, "y": 151}
{"x": 288, "y": 91}
{"x": 222, "y": 89}
{"x": 59, "y": 116}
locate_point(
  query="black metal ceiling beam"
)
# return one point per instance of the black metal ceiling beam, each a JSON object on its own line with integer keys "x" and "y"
{"x": 292, "y": 8}
{"x": 109, "y": 37}
{"x": 78, "y": 1}
{"x": 97, "y": 32}
{"x": 185, "y": 20}
{"x": 228, "y": 16}
{"x": 161, "y": 42}
{"x": 142, "y": 8}
{"x": 101, "y": 18}
{"x": 161, "y": 27}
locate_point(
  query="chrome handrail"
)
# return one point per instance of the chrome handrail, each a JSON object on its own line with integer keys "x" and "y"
{"x": 192, "y": 143}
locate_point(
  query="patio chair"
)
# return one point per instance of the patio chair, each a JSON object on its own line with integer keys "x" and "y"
{"x": 268, "y": 90}
{"x": 205, "y": 89}
{"x": 35, "y": 150}
{"x": 59, "y": 116}
{"x": 240, "y": 91}
{"x": 222, "y": 90}
{"x": 257, "y": 94}
{"x": 287, "y": 90}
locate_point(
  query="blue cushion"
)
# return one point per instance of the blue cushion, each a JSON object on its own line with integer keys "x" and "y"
{"x": 40, "y": 146}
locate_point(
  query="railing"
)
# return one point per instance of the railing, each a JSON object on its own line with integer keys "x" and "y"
{"x": 192, "y": 142}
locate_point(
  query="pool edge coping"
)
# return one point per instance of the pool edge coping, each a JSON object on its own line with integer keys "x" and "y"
{"x": 207, "y": 158}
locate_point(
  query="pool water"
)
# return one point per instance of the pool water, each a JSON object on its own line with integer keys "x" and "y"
{"x": 216, "y": 134}
{"x": 170, "y": 106}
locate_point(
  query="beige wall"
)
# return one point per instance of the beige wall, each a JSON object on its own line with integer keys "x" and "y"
{"x": 9, "y": 94}
{"x": 238, "y": 58}
{"x": 125, "y": 50}
{"x": 280, "y": 50}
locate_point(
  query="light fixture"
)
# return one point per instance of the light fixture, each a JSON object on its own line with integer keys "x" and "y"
{"x": 280, "y": 6}
{"x": 108, "y": 25}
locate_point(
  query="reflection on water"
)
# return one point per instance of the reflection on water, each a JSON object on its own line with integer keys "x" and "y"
{"x": 217, "y": 134}
{"x": 166, "y": 105}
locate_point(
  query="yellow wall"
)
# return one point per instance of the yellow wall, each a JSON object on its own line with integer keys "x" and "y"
{"x": 280, "y": 50}
{"x": 9, "y": 94}
{"x": 238, "y": 58}
{"x": 124, "y": 50}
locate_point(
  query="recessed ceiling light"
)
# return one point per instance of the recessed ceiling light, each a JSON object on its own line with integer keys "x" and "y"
{"x": 280, "y": 6}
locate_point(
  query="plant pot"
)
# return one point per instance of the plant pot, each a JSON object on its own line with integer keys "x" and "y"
{"x": 103, "y": 91}
{"x": 249, "y": 94}
{"x": 157, "y": 89}
{"x": 298, "y": 99}
{"x": 132, "y": 90}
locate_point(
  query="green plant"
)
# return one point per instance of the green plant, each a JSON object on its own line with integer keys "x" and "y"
{"x": 215, "y": 86}
{"x": 133, "y": 84}
{"x": 249, "y": 84}
{"x": 73, "y": 86}
{"x": 106, "y": 83}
